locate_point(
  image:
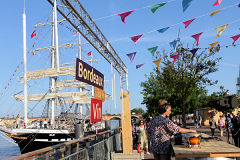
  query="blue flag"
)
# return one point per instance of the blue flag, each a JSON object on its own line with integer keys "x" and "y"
{"x": 186, "y": 4}
{"x": 163, "y": 30}
{"x": 174, "y": 44}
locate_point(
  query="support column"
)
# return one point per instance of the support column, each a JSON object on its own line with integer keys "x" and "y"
{"x": 126, "y": 122}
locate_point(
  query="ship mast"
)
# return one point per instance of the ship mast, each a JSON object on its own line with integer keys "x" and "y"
{"x": 25, "y": 67}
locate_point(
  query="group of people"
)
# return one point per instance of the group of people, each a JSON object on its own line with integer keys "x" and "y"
{"x": 157, "y": 133}
{"x": 232, "y": 125}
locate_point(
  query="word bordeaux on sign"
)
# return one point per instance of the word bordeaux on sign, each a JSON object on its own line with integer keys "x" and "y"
{"x": 88, "y": 74}
{"x": 99, "y": 94}
{"x": 96, "y": 110}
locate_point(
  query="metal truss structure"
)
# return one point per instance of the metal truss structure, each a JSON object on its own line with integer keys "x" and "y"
{"x": 77, "y": 16}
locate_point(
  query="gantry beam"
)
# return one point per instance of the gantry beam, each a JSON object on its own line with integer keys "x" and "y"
{"x": 77, "y": 16}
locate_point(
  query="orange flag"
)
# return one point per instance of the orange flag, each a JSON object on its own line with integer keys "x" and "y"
{"x": 221, "y": 29}
{"x": 157, "y": 62}
{"x": 213, "y": 13}
{"x": 212, "y": 45}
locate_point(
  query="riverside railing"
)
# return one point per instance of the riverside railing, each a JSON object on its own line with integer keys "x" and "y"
{"x": 93, "y": 147}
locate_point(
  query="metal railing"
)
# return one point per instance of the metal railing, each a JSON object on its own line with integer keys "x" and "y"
{"x": 93, "y": 147}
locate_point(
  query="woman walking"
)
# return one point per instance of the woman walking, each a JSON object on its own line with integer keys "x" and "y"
{"x": 221, "y": 125}
{"x": 213, "y": 125}
{"x": 142, "y": 137}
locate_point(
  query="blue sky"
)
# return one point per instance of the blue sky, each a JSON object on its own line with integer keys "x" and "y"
{"x": 141, "y": 21}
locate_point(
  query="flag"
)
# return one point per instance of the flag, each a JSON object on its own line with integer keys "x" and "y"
{"x": 221, "y": 29}
{"x": 33, "y": 34}
{"x": 188, "y": 22}
{"x": 89, "y": 53}
{"x": 139, "y": 65}
{"x": 131, "y": 56}
{"x": 135, "y": 38}
{"x": 157, "y": 62}
{"x": 75, "y": 33}
{"x": 163, "y": 30}
{"x": 193, "y": 51}
{"x": 217, "y": 2}
{"x": 175, "y": 56}
{"x": 174, "y": 44}
{"x": 213, "y": 13}
{"x": 212, "y": 45}
{"x": 155, "y": 7}
{"x": 186, "y": 4}
{"x": 235, "y": 38}
{"x": 196, "y": 37}
{"x": 124, "y": 15}
{"x": 153, "y": 50}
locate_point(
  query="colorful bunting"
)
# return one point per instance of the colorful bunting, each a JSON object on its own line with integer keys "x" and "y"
{"x": 213, "y": 13}
{"x": 155, "y": 7}
{"x": 239, "y": 5}
{"x": 188, "y": 22}
{"x": 212, "y": 45}
{"x": 124, "y": 15}
{"x": 131, "y": 56}
{"x": 197, "y": 36}
{"x": 157, "y": 62}
{"x": 153, "y": 50}
{"x": 33, "y": 34}
{"x": 174, "y": 44}
{"x": 175, "y": 56}
{"x": 139, "y": 65}
{"x": 89, "y": 53}
{"x": 193, "y": 51}
{"x": 186, "y": 4}
{"x": 235, "y": 38}
{"x": 221, "y": 29}
{"x": 217, "y": 2}
{"x": 163, "y": 29}
{"x": 135, "y": 38}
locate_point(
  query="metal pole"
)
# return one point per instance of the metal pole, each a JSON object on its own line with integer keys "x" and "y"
{"x": 80, "y": 57}
{"x": 56, "y": 34}
{"x": 25, "y": 68}
{"x": 115, "y": 105}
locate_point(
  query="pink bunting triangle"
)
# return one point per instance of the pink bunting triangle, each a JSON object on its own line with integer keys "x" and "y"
{"x": 196, "y": 37}
{"x": 188, "y": 22}
{"x": 124, "y": 15}
{"x": 135, "y": 38}
{"x": 235, "y": 38}
{"x": 174, "y": 57}
{"x": 217, "y": 2}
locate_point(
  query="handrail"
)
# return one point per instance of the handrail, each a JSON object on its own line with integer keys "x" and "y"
{"x": 47, "y": 149}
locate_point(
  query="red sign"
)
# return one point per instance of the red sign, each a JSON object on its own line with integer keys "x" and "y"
{"x": 96, "y": 110}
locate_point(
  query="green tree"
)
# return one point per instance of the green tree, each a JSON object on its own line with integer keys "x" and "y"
{"x": 182, "y": 84}
{"x": 137, "y": 111}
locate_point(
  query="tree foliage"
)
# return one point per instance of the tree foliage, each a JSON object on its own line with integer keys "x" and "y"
{"x": 137, "y": 111}
{"x": 182, "y": 84}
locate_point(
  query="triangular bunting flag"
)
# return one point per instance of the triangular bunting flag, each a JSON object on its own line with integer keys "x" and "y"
{"x": 213, "y": 13}
{"x": 163, "y": 29}
{"x": 174, "y": 44}
{"x": 188, "y": 22}
{"x": 74, "y": 34}
{"x": 175, "y": 56}
{"x": 217, "y": 2}
{"x": 197, "y": 36}
{"x": 135, "y": 38}
{"x": 131, "y": 56}
{"x": 33, "y": 34}
{"x": 212, "y": 45}
{"x": 89, "y": 53}
{"x": 221, "y": 29}
{"x": 139, "y": 65}
{"x": 235, "y": 38}
{"x": 124, "y": 15}
{"x": 153, "y": 50}
{"x": 186, "y": 4}
{"x": 157, "y": 62}
{"x": 155, "y": 7}
{"x": 193, "y": 51}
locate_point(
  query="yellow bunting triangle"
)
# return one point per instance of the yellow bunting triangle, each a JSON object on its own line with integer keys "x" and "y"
{"x": 221, "y": 29}
{"x": 157, "y": 62}
{"x": 212, "y": 45}
{"x": 213, "y": 13}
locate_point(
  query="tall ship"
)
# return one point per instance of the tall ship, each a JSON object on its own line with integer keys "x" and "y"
{"x": 65, "y": 100}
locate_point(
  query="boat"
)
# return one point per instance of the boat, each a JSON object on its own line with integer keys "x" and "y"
{"x": 52, "y": 129}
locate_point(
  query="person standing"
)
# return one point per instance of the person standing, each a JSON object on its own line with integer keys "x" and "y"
{"x": 236, "y": 130}
{"x": 142, "y": 136}
{"x": 160, "y": 131}
{"x": 213, "y": 125}
{"x": 221, "y": 125}
{"x": 199, "y": 120}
